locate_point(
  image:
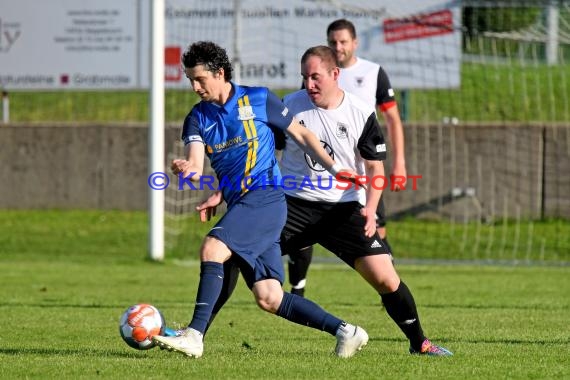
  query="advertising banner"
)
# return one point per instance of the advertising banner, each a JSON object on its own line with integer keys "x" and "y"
{"x": 103, "y": 44}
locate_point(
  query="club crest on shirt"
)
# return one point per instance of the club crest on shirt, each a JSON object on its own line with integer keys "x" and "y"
{"x": 359, "y": 81}
{"x": 314, "y": 165}
{"x": 341, "y": 131}
{"x": 245, "y": 113}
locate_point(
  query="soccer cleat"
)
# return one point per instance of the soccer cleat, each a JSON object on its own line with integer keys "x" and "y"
{"x": 172, "y": 332}
{"x": 189, "y": 342}
{"x": 430, "y": 349}
{"x": 349, "y": 340}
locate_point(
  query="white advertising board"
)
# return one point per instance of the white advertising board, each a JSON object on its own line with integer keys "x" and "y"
{"x": 59, "y": 44}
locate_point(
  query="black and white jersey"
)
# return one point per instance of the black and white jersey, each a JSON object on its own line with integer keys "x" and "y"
{"x": 369, "y": 82}
{"x": 350, "y": 133}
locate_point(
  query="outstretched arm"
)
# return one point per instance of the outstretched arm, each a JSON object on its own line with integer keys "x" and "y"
{"x": 193, "y": 162}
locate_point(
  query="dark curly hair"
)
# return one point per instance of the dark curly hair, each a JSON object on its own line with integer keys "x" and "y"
{"x": 207, "y": 53}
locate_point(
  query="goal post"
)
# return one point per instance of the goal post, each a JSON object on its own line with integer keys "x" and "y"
{"x": 156, "y": 130}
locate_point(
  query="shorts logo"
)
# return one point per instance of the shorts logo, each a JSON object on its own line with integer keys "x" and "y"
{"x": 341, "y": 131}
{"x": 314, "y": 165}
{"x": 246, "y": 113}
{"x": 376, "y": 244}
{"x": 380, "y": 148}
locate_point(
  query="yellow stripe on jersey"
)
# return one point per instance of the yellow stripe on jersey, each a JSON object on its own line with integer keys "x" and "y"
{"x": 251, "y": 134}
{"x": 254, "y": 139}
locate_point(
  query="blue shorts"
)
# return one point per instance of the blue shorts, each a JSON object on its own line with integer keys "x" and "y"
{"x": 251, "y": 229}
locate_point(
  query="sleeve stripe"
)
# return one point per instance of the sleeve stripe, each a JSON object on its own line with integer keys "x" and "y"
{"x": 386, "y": 106}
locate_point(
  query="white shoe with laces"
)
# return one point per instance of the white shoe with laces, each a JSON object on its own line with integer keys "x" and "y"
{"x": 190, "y": 342}
{"x": 349, "y": 340}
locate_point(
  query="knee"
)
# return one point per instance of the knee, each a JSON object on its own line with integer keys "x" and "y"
{"x": 269, "y": 301}
{"x": 214, "y": 250}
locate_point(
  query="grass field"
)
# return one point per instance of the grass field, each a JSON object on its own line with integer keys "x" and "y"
{"x": 68, "y": 276}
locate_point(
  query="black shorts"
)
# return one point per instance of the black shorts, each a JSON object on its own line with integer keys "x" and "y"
{"x": 338, "y": 227}
{"x": 381, "y": 213}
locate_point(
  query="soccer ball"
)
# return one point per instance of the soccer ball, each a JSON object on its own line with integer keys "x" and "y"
{"x": 139, "y": 323}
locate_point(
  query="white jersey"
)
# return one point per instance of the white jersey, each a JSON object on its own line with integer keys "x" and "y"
{"x": 360, "y": 79}
{"x": 350, "y": 133}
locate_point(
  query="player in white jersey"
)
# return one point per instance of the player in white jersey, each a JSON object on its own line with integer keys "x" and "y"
{"x": 368, "y": 81}
{"x": 343, "y": 222}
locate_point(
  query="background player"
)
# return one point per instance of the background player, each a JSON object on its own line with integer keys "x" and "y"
{"x": 368, "y": 81}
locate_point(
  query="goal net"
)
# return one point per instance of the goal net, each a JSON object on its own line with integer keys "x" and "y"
{"x": 483, "y": 90}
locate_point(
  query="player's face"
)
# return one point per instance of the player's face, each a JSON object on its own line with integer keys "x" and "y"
{"x": 206, "y": 84}
{"x": 343, "y": 45}
{"x": 320, "y": 81}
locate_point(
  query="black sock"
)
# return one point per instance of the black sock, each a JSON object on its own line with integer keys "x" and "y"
{"x": 401, "y": 307}
{"x": 299, "y": 262}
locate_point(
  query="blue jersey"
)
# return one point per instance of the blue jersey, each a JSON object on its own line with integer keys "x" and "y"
{"x": 238, "y": 138}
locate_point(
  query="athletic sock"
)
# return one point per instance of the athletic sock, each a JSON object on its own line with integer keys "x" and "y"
{"x": 299, "y": 262}
{"x": 211, "y": 280}
{"x": 231, "y": 275}
{"x": 401, "y": 307}
{"x": 307, "y": 313}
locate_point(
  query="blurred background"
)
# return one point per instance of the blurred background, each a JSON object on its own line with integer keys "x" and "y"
{"x": 483, "y": 89}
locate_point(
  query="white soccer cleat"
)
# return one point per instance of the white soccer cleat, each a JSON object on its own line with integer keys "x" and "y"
{"x": 349, "y": 340}
{"x": 190, "y": 342}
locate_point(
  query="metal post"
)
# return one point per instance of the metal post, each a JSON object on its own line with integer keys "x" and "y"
{"x": 5, "y": 107}
{"x": 552, "y": 20}
{"x": 156, "y": 131}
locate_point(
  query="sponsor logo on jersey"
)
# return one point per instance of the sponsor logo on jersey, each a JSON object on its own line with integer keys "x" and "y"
{"x": 341, "y": 131}
{"x": 314, "y": 165}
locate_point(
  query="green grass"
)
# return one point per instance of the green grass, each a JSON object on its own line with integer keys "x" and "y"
{"x": 489, "y": 93}
{"x": 68, "y": 276}
{"x": 504, "y": 241}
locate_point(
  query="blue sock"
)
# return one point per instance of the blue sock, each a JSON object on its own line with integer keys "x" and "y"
{"x": 307, "y": 313}
{"x": 211, "y": 280}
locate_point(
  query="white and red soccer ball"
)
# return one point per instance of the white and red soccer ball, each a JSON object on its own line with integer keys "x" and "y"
{"x": 139, "y": 323}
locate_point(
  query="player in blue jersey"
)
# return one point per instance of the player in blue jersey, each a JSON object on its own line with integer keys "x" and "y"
{"x": 233, "y": 125}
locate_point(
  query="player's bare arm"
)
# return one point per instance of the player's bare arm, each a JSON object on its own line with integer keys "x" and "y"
{"x": 194, "y": 162}
{"x": 374, "y": 169}
{"x": 395, "y": 132}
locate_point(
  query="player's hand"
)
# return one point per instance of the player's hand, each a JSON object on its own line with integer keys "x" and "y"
{"x": 180, "y": 166}
{"x": 348, "y": 175}
{"x": 399, "y": 177}
{"x": 370, "y": 225}
{"x": 207, "y": 209}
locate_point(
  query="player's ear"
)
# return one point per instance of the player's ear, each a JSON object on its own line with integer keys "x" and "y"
{"x": 335, "y": 72}
{"x": 220, "y": 73}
